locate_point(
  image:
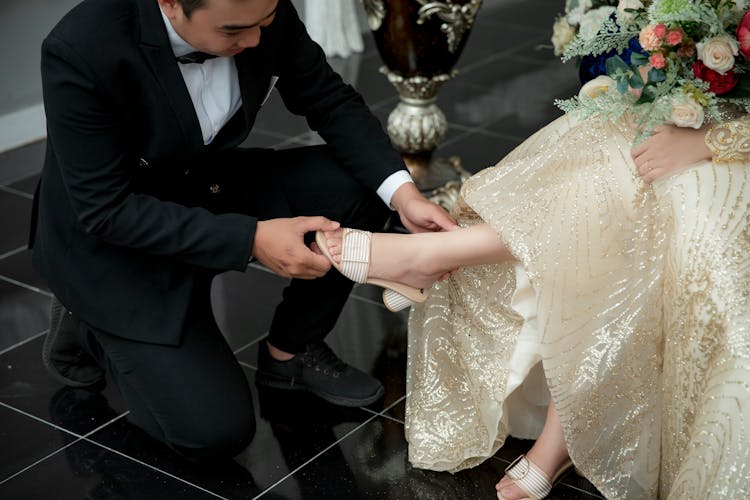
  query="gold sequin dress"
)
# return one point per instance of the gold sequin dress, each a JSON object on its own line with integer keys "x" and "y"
{"x": 629, "y": 305}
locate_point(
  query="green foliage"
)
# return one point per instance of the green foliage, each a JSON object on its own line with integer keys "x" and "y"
{"x": 609, "y": 37}
{"x": 650, "y": 103}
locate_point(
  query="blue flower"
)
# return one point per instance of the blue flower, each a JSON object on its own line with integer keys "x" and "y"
{"x": 593, "y": 66}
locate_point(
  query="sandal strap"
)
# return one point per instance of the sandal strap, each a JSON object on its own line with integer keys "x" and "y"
{"x": 529, "y": 477}
{"x": 355, "y": 254}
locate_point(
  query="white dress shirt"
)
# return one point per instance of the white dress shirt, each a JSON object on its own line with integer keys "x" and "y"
{"x": 214, "y": 88}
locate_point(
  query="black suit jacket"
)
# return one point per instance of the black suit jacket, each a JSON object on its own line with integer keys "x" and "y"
{"x": 110, "y": 240}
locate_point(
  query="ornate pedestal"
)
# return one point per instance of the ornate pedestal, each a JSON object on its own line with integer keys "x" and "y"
{"x": 420, "y": 42}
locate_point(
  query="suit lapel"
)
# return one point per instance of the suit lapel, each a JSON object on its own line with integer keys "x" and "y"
{"x": 254, "y": 76}
{"x": 155, "y": 46}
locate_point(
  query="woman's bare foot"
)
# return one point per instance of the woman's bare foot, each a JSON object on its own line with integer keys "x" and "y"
{"x": 510, "y": 491}
{"x": 408, "y": 259}
{"x": 549, "y": 453}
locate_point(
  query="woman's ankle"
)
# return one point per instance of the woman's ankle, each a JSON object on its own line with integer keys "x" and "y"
{"x": 404, "y": 258}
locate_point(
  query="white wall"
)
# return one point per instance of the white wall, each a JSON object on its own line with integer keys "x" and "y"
{"x": 23, "y": 26}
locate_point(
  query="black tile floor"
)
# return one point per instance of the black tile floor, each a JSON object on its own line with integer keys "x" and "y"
{"x": 63, "y": 443}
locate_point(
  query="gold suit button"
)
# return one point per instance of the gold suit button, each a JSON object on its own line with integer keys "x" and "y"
{"x": 215, "y": 188}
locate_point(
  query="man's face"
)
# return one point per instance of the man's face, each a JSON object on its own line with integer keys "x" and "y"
{"x": 222, "y": 27}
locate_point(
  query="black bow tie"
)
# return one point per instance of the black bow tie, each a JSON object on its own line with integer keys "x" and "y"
{"x": 194, "y": 57}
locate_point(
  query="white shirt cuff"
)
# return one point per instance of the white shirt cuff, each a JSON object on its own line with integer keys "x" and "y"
{"x": 391, "y": 184}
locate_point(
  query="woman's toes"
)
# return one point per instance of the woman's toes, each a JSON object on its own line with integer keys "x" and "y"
{"x": 503, "y": 483}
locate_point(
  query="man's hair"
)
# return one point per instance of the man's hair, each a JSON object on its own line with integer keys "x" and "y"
{"x": 188, "y": 6}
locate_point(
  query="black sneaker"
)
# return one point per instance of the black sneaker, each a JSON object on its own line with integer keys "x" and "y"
{"x": 321, "y": 372}
{"x": 63, "y": 356}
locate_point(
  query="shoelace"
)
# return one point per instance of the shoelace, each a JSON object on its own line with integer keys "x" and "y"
{"x": 320, "y": 353}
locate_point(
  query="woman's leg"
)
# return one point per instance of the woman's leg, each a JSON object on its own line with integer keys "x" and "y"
{"x": 548, "y": 453}
{"x": 420, "y": 259}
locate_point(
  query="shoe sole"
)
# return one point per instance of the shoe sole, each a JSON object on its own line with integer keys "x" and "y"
{"x": 286, "y": 384}
{"x": 57, "y": 314}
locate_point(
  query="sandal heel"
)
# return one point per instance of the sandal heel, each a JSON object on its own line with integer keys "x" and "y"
{"x": 394, "y": 301}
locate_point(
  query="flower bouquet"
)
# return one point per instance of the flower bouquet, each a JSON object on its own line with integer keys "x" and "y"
{"x": 666, "y": 61}
{"x": 581, "y": 17}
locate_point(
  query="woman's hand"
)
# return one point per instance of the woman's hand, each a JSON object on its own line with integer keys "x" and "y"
{"x": 669, "y": 150}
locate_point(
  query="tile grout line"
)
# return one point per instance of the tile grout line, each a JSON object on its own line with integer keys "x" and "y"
{"x": 11, "y": 253}
{"x": 77, "y": 440}
{"x": 255, "y": 341}
{"x": 25, "y": 285}
{"x": 327, "y": 448}
{"x": 66, "y": 431}
{"x": 368, "y": 301}
{"x": 86, "y": 437}
{"x": 117, "y": 452}
{"x": 498, "y": 55}
{"x": 275, "y": 135}
{"x": 480, "y": 129}
{"x": 381, "y": 415}
{"x": 21, "y": 177}
{"x": 247, "y": 365}
{"x": 39, "y": 419}
{"x": 19, "y": 344}
{"x": 62, "y": 429}
{"x": 593, "y": 495}
{"x": 17, "y": 192}
{"x": 321, "y": 452}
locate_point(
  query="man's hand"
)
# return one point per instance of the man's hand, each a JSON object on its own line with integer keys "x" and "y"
{"x": 670, "y": 150}
{"x": 419, "y": 215}
{"x": 279, "y": 244}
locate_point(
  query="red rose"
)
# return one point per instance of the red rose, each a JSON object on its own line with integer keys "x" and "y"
{"x": 717, "y": 83}
{"x": 743, "y": 35}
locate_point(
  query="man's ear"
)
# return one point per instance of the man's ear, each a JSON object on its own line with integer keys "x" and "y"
{"x": 170, "y": 7}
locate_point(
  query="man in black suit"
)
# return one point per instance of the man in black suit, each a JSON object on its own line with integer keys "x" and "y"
{"x": 145, "y": 197}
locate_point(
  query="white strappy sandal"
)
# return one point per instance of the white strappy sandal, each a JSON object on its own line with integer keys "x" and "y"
{"x": 355, "y": 262}
{"x": 531, "y": 479}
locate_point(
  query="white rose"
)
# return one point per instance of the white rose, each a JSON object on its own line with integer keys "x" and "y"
{"x": 575, "y": 9}
{"x": 596, "y": 87}
{"x": 718, "y": 53}
{"x": 574, "y": 16}
{"x": 686, "y": 112}
{"x": 562, "y": 34}
{"x": 627, "y": 4}
{"x": 593, "y": 20}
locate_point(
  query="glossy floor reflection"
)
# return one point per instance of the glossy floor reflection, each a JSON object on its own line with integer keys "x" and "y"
{"x": 65, "y": 443}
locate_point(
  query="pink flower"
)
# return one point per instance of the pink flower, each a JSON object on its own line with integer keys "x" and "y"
{"x": 660, "y": 30}
{"x": 648, "y": 39}
{"x": 674, "y": 37}
{"x": 657, "y": 60}
{"x": 743, "y": 35}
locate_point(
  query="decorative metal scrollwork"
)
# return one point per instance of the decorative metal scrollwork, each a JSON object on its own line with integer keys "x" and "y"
{"x": 417, "y": 124}
{"x": 375, "y": 10}
{"x": 457, "y": 18}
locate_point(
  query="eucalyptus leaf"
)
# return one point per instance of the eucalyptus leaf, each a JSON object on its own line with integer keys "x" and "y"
{"x": 656, "y": 75}
{"x": 616, "y": 65}
{"x": 638, "y": 59}
{"x": 636, "y": 81}
{"x": 648, "y": 94}
{"x": 622, "y": 85}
